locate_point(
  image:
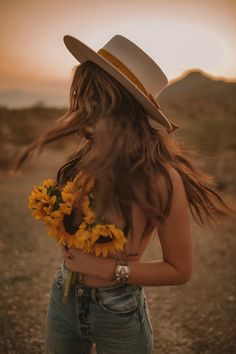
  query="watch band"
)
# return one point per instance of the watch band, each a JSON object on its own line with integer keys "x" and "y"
{"x": 122, "y": 272}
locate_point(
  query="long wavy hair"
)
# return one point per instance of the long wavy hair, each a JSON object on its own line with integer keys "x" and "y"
{"x": 126, "y": 151}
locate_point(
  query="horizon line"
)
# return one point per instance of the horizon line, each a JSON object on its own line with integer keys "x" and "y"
{"x": 170, "y": 82}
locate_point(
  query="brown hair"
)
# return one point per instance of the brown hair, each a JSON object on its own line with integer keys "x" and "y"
{"x": 125, "y": 153}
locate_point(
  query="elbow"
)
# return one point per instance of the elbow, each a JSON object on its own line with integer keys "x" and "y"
{"x": 182, "y": 274}
{"x": 184, "y": 277}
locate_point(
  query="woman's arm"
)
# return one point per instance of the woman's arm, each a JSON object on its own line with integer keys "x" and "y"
{"x": 176, "y": 242}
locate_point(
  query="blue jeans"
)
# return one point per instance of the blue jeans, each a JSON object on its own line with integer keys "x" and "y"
{"x": 116, "y": 318}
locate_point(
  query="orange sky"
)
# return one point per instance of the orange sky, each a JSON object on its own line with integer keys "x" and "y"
{"x": 178, "y": 34}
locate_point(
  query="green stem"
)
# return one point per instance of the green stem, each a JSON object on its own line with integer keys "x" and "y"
{"x": 73, "y": 278}
{"x": 67, "y": 286}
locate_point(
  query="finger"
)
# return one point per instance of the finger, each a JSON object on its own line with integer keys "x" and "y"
{"x": 65, "y": 256}
{"x": 66, "y": 265}
{"x": 74, "y": 251}
{"x": 64, "y": 252}
{"x": 64, "y": 245}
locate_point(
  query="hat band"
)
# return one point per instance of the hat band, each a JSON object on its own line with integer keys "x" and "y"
{"x": 127, "y": 72}
{"x": 130, "y": 75}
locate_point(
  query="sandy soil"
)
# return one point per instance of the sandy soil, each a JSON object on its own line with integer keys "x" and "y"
{"x": 197, "y": 317}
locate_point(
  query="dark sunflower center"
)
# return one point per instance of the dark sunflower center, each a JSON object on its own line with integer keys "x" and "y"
{"x": 104, "y": 239}
{"x": 69, "y": 223}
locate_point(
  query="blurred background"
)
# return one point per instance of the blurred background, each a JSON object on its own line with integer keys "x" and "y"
{"x": 194, "y": 44}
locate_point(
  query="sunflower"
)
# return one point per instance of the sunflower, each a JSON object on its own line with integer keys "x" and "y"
{"x": 100, "y": 239}
{"x": 83, "y": 240}
{"x": 57, "y": 208}
{"x": 68, "y": 192}
{"x": 109, "y": 239}
{"x": 42, "y": 199}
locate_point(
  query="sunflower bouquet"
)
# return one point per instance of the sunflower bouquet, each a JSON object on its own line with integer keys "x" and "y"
{"x": 56, "y": 207}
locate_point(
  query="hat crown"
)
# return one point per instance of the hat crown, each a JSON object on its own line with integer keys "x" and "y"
{"x": 141, "y": 64}
{"x": 132, "y": 67}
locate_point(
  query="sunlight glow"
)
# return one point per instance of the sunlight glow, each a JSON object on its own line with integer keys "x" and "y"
{"x": 175, "y": 46}
{"x": 179, "y": 35}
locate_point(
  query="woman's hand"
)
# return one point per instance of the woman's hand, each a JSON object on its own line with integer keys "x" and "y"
{"x": 78, "y": 261}
{"x": 81, "y": 262}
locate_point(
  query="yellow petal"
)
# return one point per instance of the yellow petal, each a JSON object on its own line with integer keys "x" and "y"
{"x": 98, "y": 251}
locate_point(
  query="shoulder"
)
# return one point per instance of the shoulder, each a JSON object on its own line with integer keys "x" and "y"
{"x": 179, "y": 204}
{"x": 162, "y": 181}
{"x": 175, "y": 177}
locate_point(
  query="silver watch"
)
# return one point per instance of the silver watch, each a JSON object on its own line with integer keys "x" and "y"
{"x": 122, "y": 272}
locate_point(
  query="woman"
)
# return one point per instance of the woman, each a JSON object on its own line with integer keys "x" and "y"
{"x": 144, "y": 183}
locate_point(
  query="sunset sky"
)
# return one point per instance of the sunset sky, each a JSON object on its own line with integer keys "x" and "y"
{"x": 177, "y": 34}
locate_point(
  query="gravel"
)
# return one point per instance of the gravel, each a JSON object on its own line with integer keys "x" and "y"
{"x": 198, "y": 317}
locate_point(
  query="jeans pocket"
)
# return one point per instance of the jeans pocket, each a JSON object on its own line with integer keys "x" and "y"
{"x": 119, "y": 303}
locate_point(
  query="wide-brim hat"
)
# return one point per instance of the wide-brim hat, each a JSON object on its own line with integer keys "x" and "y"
{"x": 131, "y": 67}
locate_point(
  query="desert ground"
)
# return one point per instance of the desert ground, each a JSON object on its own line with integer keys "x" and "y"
{"x": 198, "y": 317}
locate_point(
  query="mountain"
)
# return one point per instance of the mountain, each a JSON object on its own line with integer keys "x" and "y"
{"x": 197, "y": 85}
{"x": 193, "y": 85}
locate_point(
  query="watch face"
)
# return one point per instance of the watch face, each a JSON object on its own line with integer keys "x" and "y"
{"x": 122, "y": 273}
{"x": 123, "y": 270}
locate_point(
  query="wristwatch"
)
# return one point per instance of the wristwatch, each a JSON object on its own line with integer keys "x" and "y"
{"x": 122, "y": 272}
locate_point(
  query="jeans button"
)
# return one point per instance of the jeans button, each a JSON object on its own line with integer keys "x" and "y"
{"x": 80, "y": 291}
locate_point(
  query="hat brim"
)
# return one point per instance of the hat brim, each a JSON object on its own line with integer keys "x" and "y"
{"x": 84, "y": 53}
